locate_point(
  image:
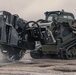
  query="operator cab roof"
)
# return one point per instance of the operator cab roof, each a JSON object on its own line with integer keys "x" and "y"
{"x": 59, "y": 13}
{"x": 5, "y": 13}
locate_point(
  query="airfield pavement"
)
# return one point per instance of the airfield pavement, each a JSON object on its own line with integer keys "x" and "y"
{"x": 30, "y": 66}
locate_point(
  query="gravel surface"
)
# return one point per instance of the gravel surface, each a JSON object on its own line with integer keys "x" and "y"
{"x": 30, "y": 66}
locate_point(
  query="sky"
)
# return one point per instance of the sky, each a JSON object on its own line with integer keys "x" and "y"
{"x": 34, "y": 9}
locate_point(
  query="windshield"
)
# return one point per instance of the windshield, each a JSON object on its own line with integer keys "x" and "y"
{"x": 51, "y": 16}
{"x": 67, "y": 16}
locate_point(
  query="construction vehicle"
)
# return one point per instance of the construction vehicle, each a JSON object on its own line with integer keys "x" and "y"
{"x": 57, "y": 36}
{"x": 15, "y": 36}
{"x": 53, "y": 35}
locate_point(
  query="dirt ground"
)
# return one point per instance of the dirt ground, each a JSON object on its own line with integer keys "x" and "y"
{"x": 30, "y": 66}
